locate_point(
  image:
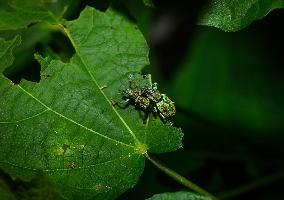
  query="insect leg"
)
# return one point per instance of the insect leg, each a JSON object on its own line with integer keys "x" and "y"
{"x": 145, "y": 118}
{"x": 155, "y": 109}
{"x": 132, "y": 83}
{"x": 121, "y": 104}
{"x": 155, "y": 86}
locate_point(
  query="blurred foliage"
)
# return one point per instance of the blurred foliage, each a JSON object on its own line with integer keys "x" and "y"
{"x": 39, "y": 188}
{"x": 228, "y": 79}
{"x": 178, "y": 195}
{"x": 149, "y": 3}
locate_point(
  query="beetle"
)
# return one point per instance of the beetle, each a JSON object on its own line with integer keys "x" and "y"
{"x": 150, "y": 99}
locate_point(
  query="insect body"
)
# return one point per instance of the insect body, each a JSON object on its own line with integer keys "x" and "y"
{"x": 149, "y": 99}
{"x": 139, "y": 100}
{"x": 166, "y": 108}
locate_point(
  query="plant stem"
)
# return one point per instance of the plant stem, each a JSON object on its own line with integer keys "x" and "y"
{"x": 252, "y": 186}
{"x": 180, "y": 178}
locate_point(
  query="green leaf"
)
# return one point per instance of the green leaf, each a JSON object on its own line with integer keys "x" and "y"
{"x": 66, "y": 125}
{"x": 233, "y": 15}
{"x": 179, "y": 196}
{"x": 24, "y": 12}
{"x": 6, "y": 52}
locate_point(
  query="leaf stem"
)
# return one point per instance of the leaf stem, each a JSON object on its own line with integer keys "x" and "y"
{"x": 180, "y": 178}
{"x": 252, "y": 186}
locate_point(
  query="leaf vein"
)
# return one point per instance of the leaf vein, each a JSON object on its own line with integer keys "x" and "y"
{"x": 71, "y": 120}
{"x": 97, "y": 85}
{"x": 66, "y": 169}
{"x": 25, "y": 119}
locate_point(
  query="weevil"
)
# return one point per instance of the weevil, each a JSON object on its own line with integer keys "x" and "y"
{"x": 150, "y": 99}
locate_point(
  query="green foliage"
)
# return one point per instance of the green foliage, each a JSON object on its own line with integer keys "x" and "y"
{"x": 220, "y": 79}
{"x": 66, "y": 125}
{"x": 39, "y": 188}
{"x": 6, "y": 49}
{"x": 24, "y": 12}
{"x": 233, "y": 15}
{"x": 5, "y": 192}
{"x": 149, "y": 3}
{"x": 178, "y": 196}
{"x": 64, "y": 65}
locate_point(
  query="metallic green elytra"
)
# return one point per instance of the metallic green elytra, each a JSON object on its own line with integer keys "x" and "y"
{"x": 166, "y": 107}
{"x": 149, "y": 99}
{"x": 139, "y": 100}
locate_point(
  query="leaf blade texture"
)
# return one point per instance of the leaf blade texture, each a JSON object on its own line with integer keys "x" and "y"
{"x": 234, "y": 15}
{"x": 6, "y": 52}
{"x": 22, "y": 13}
{"x": 66, "y": 125}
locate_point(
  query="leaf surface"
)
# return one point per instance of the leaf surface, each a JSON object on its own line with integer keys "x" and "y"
{"x": 25, "y": 12}
{"x": 182, "y": 195}
{"x": 66, "y": 125}
{"x": 233, "y": 15}
{"x": 6, "y": 49}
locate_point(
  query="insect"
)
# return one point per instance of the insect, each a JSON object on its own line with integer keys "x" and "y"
{"x": 149, "y": 99}
{"x": 71, "y": 166}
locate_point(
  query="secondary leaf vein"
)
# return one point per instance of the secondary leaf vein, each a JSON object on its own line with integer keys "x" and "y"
{"x": 25, "y": 119}
{"x": 66, "y": 169}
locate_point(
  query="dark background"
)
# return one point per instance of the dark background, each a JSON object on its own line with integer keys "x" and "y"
{"x": 228, "y": 92}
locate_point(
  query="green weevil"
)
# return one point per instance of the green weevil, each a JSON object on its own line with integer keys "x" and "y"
{"x": 149, "y": 99}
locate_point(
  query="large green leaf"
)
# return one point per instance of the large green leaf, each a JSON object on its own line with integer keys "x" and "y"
{"x": 233, "y": 15}
{"x": 24, "y": 12}
{"x": 66, "y": 125}
{"x": 182, "y": 195}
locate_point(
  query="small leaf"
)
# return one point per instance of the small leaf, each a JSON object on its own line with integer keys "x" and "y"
{"x": 26, "y": 12}
{"x": 179, "y": 196}
{"x": 233, "y": 15}
{"x": 6, "y": 52}
{"x": 66, "y": 125}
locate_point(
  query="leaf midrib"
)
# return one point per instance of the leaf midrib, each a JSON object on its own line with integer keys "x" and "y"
{"x": 137, "y": 142}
